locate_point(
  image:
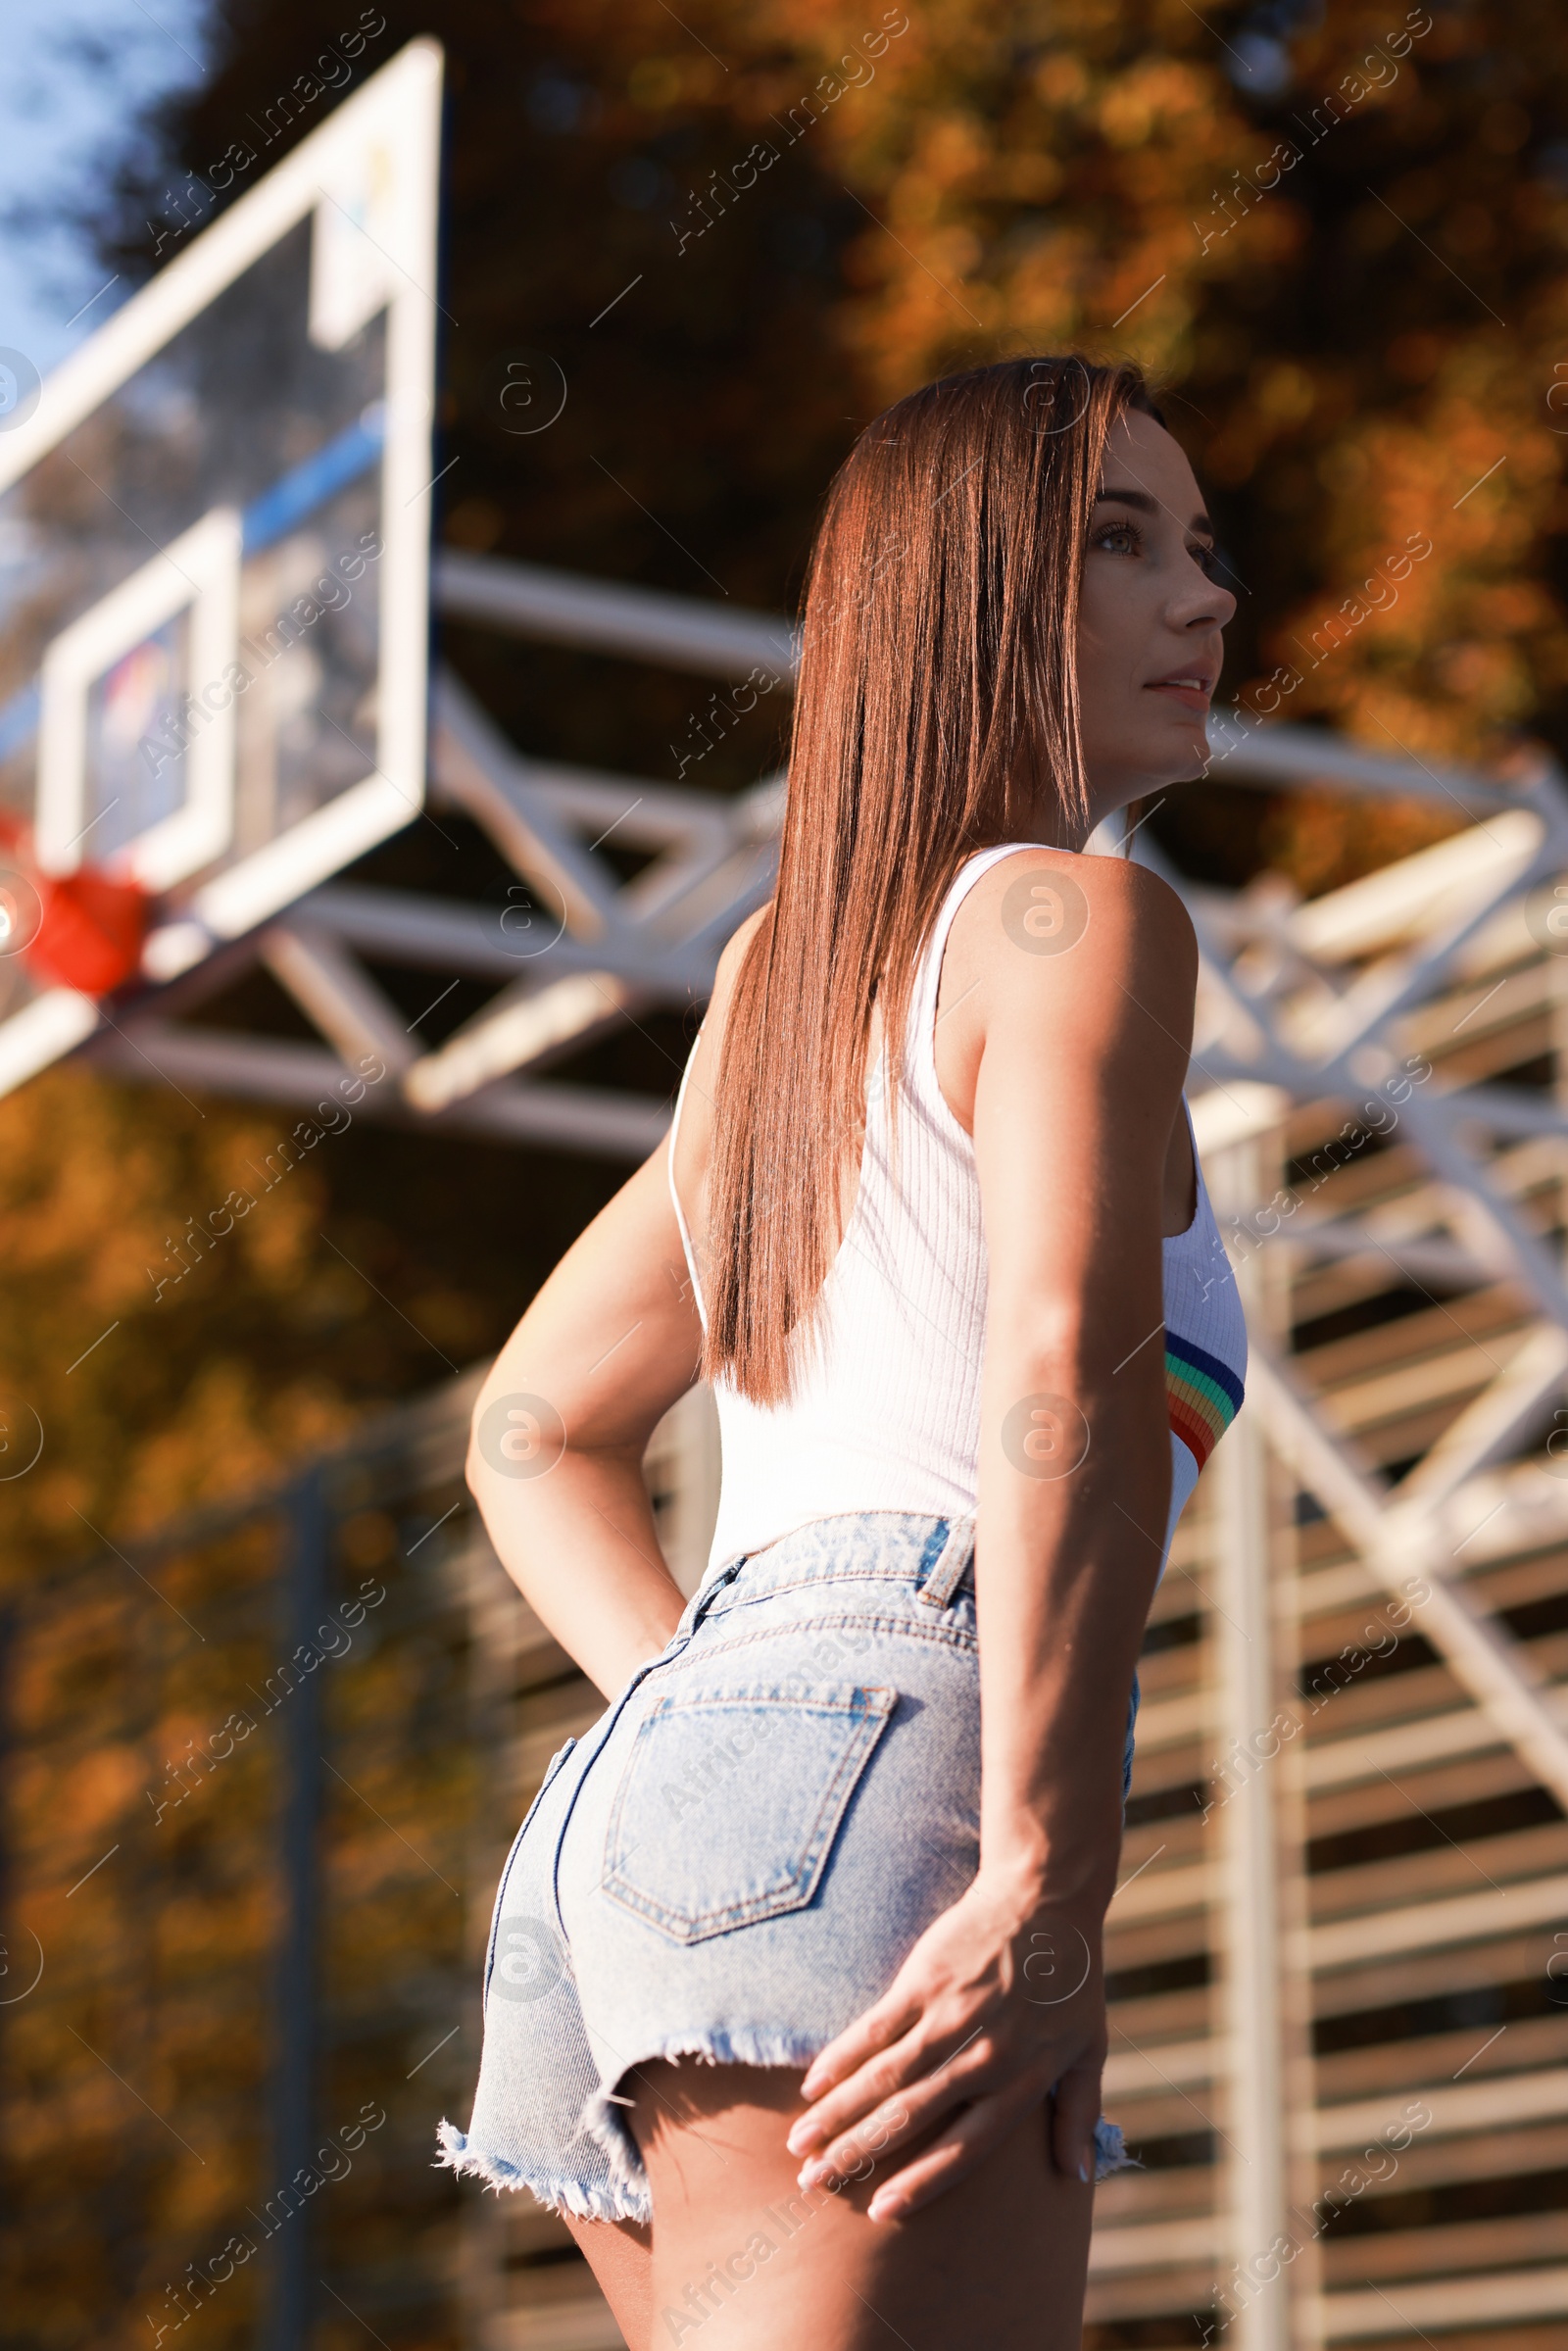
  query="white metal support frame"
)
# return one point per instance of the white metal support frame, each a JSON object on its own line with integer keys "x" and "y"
{"x": 578, "y": 953}
{"x": 1312, "y": 1005}
{"x": 1256, "y": 2154}
{"x": 1261, "y": 1050}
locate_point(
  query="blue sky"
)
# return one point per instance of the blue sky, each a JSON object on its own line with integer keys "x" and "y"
{"x": 58, "y": 115}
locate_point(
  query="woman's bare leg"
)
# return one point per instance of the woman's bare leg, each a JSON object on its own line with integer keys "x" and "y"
{"x": 619, "y": 2254}
{"x": 745, "y": 2261}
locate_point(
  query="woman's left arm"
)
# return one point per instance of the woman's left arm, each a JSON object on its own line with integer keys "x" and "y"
{"x": 1001, "y": 2003}
{"x": 561, "y": 1425}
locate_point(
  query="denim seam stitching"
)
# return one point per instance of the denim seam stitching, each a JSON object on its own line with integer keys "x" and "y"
{"x": 605, "y": 1728}
{"x": 854, "y": 1575}
{"x": 939, "y": 1633}
{"x": 553, "y": 1770}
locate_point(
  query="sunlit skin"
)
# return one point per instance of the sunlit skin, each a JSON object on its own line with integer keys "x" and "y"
{"x": 1067, "y": 1071}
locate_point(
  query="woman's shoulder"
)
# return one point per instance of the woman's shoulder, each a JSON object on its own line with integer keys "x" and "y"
{"x": 1061, "y": 964}
{"x": 1047, "y": 914}
{"x": 733, "y": 954}
{"x": 726, "y": 972}
{"x": 703, "y": 1063}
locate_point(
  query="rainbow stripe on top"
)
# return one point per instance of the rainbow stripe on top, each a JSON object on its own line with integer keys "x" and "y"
{"x": 1202, "y": 1395}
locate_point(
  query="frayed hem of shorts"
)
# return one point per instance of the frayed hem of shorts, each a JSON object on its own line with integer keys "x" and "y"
{"x": 1111, "y": 2151}
{"x": 583, "y": 2202}
{"x": 603, "y": 2118}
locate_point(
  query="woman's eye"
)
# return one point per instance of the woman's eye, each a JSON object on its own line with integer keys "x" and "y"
{"x": 1126, "y": 533}
{"x": 1207, "y": 561}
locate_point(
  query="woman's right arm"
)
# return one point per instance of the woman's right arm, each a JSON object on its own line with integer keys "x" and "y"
{"x": 1079, "y": 1085}
{"x": 563, "y": 1419}
{"x": 611, "y": 1340}
{"x": 1081, "y": 1067}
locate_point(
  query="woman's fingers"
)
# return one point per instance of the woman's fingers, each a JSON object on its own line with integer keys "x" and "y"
{"x": 947, "y": 2034}
{"x": 972, "y": 2136}
{"x": 878, "y": 2083}
{"x": 887, "y": 2022}
{"x": 1075, "y": 2110}
{"x": 892, "y": 2122}
{"x": 921, "y": 2056}
{"x": 893, "y": 2102}
{"x": 868, "y": 2062}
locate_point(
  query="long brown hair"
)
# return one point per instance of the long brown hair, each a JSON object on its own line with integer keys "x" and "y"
{"x": 936, "y": 712}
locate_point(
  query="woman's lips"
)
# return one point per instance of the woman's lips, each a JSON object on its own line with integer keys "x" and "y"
{"x": 1193, "y": 698}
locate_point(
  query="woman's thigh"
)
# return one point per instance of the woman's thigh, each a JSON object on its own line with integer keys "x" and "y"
{"x": 742, "y": 2260}
{"x": 619, "y": 2255}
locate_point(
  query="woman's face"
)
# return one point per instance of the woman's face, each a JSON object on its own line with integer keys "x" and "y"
{"x": 1150, "y": 617}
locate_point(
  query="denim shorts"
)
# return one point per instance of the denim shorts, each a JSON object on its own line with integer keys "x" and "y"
{"x": 733, "y": 1863}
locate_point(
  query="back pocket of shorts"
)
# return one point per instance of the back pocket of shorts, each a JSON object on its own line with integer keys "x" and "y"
{"x": 731, "y": 1798}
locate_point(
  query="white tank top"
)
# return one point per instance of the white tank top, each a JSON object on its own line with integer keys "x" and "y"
{"x": 886, "y": 1409}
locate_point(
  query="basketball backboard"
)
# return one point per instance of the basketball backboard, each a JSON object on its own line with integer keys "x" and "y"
{"x": 213, "y": 576}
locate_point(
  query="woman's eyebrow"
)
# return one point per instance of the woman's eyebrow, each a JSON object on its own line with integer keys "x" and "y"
{"x": 1147, "y": 505}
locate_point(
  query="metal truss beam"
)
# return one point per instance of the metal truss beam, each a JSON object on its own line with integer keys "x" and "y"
{"x": 574, "y": 952}
{"x": 1307, "y": 1009}
{"x": 1302, "y": 1008}
{"x": 573, "y": 1118}
{"x": 565, "y": 608}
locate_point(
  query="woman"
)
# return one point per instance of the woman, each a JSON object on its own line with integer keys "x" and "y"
{"x": 794, "y": 2005}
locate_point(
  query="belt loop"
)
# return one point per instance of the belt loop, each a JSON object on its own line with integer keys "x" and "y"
{"x": 716, "y": 1585}
{"x": 951, "y": 1561}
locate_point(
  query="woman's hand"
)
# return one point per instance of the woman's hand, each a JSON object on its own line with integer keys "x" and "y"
{"x": 1001, "y": 2002}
